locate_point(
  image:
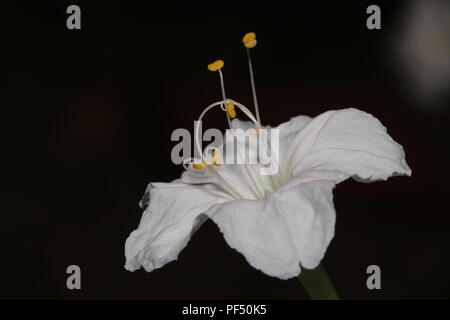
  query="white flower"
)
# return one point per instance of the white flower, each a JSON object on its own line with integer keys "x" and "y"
{"x": 284, "y": 221}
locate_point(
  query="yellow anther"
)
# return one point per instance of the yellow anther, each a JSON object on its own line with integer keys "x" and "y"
{"x": 216, "y": 65}
{"x": 249, "y": 40}
{"x": 200, "y": 166}
{"x": 217, "y": 159}
{"x": 197, "y": 166}
{"x": 249, "y": 37}
{"x": 230, "y": 110}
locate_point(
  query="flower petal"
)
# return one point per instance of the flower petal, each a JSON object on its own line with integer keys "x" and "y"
{"x": 173, "y": 214}
{"x": 289, "y": 227}
{"x": 293, "y": 125}
{"x": 338, "y": 144}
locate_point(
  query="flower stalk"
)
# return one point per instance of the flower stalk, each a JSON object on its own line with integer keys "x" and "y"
{"x": 317, "y": 284}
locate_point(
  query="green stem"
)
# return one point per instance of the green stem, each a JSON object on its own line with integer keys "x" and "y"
{"x": 317, "y": 283}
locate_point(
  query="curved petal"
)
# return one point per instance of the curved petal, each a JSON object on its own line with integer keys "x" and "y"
{"x": 293, "y": 125}
{"x": 173, "y": 214}
{"x": 338, "y": 144}
{"x": 287, "y": 132}
{"x": 289, "y": 227}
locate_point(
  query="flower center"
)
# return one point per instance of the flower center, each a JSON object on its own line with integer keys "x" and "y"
{"x": 258, "y": 183}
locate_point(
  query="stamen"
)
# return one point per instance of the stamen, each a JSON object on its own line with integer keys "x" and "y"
{"x": 230, "y": 109}
{"x": 243, "y": 108}
{"x": 259, "y": 183}
{"x": 197, "y": 166}
{"x": 203, "y": 165}
{"x": 225, "y": 185}
{"x": 222, "y": 86}
{"x": 227, "y": 105}
{"x": 216, "y": 66}
{"x": 197, "y": 128}
{"x": 217, "y": 159}
{"x": 249, "y": 41}
{"x": 247, "y": 112}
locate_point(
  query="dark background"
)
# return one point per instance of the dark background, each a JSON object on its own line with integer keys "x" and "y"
{"x": 87, "y": 119}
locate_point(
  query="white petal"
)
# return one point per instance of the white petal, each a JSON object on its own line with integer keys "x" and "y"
{"x": 233, "y": 174}
{"x": 289, "y": 227}
{"x": 288, "y": 131}
{"x": 338, "y": 144}
{"x": 197, "y": 177}
{"x": 173, "y": 213}
{"x": 241, "y": 124}
{"x": 293, "y": 125}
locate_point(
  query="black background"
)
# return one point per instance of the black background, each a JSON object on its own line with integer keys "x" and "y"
{"x": 87, "y": 119}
